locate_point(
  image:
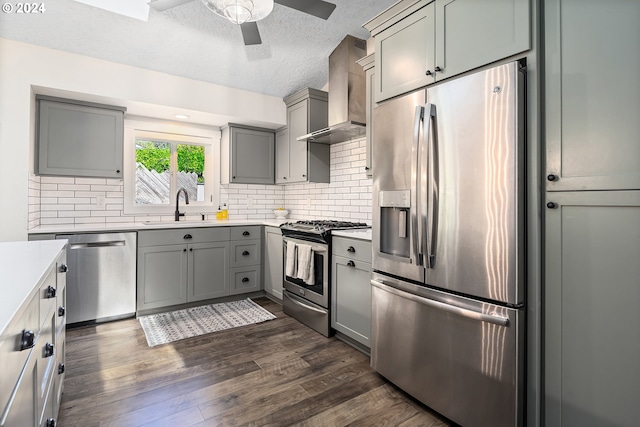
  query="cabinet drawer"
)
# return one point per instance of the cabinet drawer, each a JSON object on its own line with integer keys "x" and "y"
{"x": 352, "y": 248}
{"x": 245, "y": 279}
{"x": 13, "y": 360}
{"x": 245, "y": 253}
{"x": 48, "y": 294}
{"x": 245, "y": 233}
{"x": 182, "y": 235}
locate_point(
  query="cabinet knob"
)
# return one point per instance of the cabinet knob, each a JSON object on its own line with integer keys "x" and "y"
{"x": 351, "y": 264}
{"x": 117, "y": 170}
{"x": 50, "y": 292}
{"x": 366, "y": 168}
{"x": 188, "y": 236}
{"x": 49, "y": 349}
{"x": 233, "y": 177}
{"x": 63, "y": 268}
{"x": 60, "y": 368}
{"x": 351, "y": 249}
{"x": 27, "y": 340}
{"x": 437, "y": 69}
{"x": 245, "y": 233}
{"x": 428, "y": 73}
{"x": 51, "y": 422}
{"x": 304, "y": 176}
{"x": 245, "y": 279}
{"x": 61, "y": 311}
{"x": 190, "y": 249}
{"x": 552, "y": 205}
{"x": 245, "y": 253}
{"x": 552, "y": 177}
{"x": 184, "y": 250}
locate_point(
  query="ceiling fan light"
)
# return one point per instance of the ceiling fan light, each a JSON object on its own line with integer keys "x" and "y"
{"x": 238, "y": 11}
{"x": 261, "y": 9}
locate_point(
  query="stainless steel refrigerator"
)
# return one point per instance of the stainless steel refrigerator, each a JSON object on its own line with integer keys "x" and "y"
{"x": 448, "y": 317}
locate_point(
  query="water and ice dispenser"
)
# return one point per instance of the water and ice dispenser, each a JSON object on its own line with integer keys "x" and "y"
{"x": 395, "y": 210}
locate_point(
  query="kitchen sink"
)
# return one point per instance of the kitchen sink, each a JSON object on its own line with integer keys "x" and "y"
{"x": 172, "y": 223}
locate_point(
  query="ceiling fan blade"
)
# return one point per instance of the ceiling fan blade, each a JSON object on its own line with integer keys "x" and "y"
{"x": 161, "y": 5}
{"x": 250, "y": 33}
{"x": 319, "y": 8}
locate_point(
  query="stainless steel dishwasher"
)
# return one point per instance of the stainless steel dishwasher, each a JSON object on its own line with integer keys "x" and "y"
{"x": 101, "y": 282}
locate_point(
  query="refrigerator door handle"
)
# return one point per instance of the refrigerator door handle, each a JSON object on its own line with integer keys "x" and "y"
{"x": 432, "y": 178}
{"x": 416, "y": 235}
{"x": 454, "y": 309}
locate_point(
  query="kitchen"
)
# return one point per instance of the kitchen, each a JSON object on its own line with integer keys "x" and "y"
{"x": 579, "y": 179}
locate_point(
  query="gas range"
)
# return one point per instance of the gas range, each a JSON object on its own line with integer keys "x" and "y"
{"x": 318, "y": 228}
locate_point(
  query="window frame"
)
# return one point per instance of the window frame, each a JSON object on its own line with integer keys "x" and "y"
{"x": 174, "y": 133}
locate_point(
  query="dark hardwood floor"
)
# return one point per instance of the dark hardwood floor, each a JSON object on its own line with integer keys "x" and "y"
{"x": 276, "y": 373}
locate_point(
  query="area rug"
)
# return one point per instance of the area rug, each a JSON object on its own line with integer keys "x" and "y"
{"x": 173, "y": 326}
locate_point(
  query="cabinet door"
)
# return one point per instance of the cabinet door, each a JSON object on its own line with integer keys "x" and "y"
{"x": 592, "y": 115}
{"x": 298, "y": 122}
{"x": 405, "y": 54}
{"x": 371, "y": 84}
{"x": 282, "y": 156}
{"x": 470, "y": 34}
{"x": 253, "y": 156}
{"x": 351, "y": 300}
{"x": 79, "y": 140}
{"x": 162, "y": 276}
{"x": 592, "y": 290}
{"x": 208, "y": 266}
{"x": 273, "y": 262}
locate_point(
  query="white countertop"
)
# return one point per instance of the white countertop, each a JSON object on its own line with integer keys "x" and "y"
{"x": 361, "y": 233}
{"x": 23, "y": 265}
{"x": 141, "y": 226}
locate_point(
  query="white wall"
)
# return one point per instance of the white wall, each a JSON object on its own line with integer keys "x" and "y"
{"x": 26, "y": 69}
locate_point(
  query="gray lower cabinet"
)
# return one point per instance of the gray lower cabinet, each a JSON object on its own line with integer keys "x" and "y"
{"x": 351, "y": 288}
{"x": 592, "y": 294}
{"x": 247, "y": 155}
{"x": 592, "y": 124}
{"x": 419, "y": 42}
{"x": 207, "y": 267}
{"x": 246, "y": 265}
{"x": 273, "y": 261}
{"x": 75, "y": 138}
{"x": 162, "y": 276}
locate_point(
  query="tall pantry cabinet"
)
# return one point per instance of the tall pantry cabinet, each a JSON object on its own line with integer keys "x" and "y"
{"x": 592, "y": 221}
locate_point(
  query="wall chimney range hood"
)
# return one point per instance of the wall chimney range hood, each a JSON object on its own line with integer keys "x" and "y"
{"x": 347, "y": 95}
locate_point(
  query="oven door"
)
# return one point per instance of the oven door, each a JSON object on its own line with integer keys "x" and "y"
{"x": 319, "y": 291}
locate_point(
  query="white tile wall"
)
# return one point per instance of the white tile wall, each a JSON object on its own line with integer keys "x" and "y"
{"x": 60, "y": 200}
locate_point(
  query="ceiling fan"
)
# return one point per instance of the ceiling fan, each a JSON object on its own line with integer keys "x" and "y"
{"x": 246, "y": 13}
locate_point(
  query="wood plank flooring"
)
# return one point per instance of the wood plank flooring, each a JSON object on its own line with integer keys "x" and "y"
{"x": 277, "y": 373}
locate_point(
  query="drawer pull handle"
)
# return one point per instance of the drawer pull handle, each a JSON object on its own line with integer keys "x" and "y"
{"x": 188, "y": 236}
{"x": 351, "y": 264}
{"x": 60, "y": 368}
{"x": 49, "y": 349}
{"x": 50, "y": 292}
{"x": 245, "y": 279}
{"x": 51, "y": 422}
{"x": 61, "y": 311}
{"x": 246, "y": 233}
{"x": 245, "y": 253}
{"x": 64, "y": 268}
{"x": 351, "y": 249}
{"x": 28, "y": 340}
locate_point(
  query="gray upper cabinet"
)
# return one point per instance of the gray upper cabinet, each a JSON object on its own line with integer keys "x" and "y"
{"x": 592, "y": 291}
{"x": 592, "y": 124}
{"x": 420, "y": 42}
{"x": 282, "y": 155}
{"x": 248, "y": 155}
{"x": 76, "y": 138}
{"x": 368, "y": 65}
{"x": 306, "y": 161}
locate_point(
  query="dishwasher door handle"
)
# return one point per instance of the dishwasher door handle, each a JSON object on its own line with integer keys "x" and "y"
{"x": 96, "y": 244}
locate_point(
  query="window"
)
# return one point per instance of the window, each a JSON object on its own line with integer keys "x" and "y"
{"x": 161, "y": 163}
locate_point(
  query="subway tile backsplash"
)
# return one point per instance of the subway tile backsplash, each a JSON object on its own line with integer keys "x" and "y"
{"x": 61, "y": 200}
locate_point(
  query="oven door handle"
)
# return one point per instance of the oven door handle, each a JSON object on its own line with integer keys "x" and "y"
{"x": 314, "y": 248}
{"x": 294, "y": 299}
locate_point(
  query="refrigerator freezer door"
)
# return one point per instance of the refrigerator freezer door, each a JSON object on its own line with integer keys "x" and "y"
{"x": 474, "y": 218}
{"x": 396, "y": 138}
{"x": 458, "y": 356}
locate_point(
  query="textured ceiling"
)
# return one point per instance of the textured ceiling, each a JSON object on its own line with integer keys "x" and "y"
{"x": 192, "y": 42}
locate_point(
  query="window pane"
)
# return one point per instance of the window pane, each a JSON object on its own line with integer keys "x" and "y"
{"x": 191, "y": 170}
{"x": 153, "y": 178}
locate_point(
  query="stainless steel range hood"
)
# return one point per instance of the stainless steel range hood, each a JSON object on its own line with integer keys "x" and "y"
{"x": 347, "y": 95}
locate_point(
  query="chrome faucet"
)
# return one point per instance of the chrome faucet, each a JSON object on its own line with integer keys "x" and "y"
{"x": 186, "y": 200}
